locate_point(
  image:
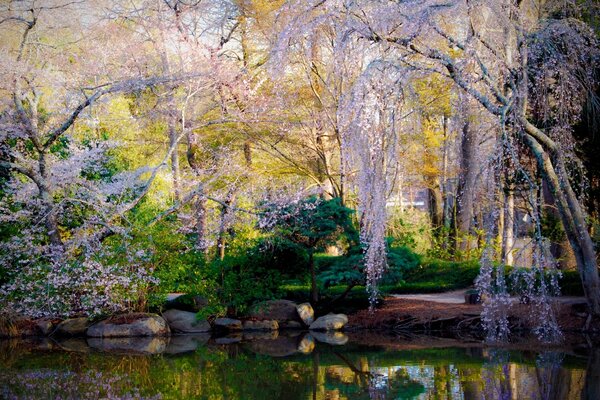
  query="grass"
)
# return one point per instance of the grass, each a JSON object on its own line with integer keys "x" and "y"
{"x": 435, "y": 276}
{"x": 432, "y": 276}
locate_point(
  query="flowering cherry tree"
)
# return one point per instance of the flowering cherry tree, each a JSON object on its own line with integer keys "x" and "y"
{"x": 531, "y": 74}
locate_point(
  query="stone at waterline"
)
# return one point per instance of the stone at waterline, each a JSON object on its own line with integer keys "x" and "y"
{"x": 306, "y": 313}
{"x": 265, "y": 325}
{"x": 72, "y": 327}
{"x": 130, "y": 345}
{"x": 185, "y": 322}
{"x": 138, "y": 324}
{"x": 228, "y": 323}
{"x": 330, "y": 337}
{"x": 290, "y": 325}
{"x": 278, "y": 310}
{"x": 329, "y": 322}
{"x": 46, "y": 326}
{"x": 306, "y": 344}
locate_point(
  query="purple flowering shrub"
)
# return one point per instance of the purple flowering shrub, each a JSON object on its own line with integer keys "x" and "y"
{"x": 105, "y": 282}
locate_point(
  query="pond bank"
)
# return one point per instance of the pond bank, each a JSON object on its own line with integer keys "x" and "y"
{"x": 404, "y": 314}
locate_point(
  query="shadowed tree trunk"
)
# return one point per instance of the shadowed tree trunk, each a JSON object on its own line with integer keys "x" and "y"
{"x": 466, "y": 187}
{"x": 571, "y": 214}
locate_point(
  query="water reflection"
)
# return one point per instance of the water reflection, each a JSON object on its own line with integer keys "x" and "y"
{"x": 289, "y": 366}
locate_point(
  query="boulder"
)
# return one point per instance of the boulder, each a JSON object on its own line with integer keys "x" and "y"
{"x": 278, "y": 310}
{"x": 127, "y": 325}
{"x": 129, "y": 345}
{"x": 306, "y": 313}
{"x": 331, "y": 337}
{"x": 265, "y": 325}
{"x": 185, "y": 322}
{"x": 228, "y": 323}
{"x": 290, "y": 325}
{"x": 72, "y": 327}
{"x": 329, "y": 322}
{"x": 45, "y": 326}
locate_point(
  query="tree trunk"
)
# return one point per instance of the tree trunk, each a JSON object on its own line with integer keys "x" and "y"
{"x": 51, "y": 220}
{"x": 223, "y": 223}
{"x": 314, "y": 290}
{"x": 200, "y": 208}
{"x": 466, "y": 187}
{"x": 174, "y": 157}
{"x": 508, "y": 239}
{"x": 571, "y": 215}
{"x": 436, "y": 205}
{"x": 591, "y": 389}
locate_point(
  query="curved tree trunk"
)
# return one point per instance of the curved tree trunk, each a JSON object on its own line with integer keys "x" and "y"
{"x": 570, "y": 211}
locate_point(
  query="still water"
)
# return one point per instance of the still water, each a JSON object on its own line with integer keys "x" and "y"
{"x": 294, "y": 366}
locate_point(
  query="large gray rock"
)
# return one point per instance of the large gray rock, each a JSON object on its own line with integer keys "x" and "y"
{"x": 127, "y": 325}
{"x": 290, "y": 325}
{"x": 278, "y": 310}
{"x": 265, "y": 325}
{"x": 306, "y": 313}
{"x": 228, "y": 323}
{"x": 185, "y": 322}
{"x": 72, "y": 327}
{"x": 329, "y": 322}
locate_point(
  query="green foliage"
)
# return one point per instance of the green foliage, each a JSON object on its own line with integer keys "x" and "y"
{"x": 410, "y": 228}
{"x": 312, "y": 223}
{"x": 256, "y": 274}
{"x": 552, "y": 227}
{"x": 438, "y": 276}
{"x": 349, "y": 269}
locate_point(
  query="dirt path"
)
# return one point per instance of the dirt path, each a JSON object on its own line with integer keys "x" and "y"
{"x": 455, "y": 297}
{"x": 458, "y": 297}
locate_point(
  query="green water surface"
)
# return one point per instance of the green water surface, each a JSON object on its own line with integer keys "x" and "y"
{"x": 295, "y": 366}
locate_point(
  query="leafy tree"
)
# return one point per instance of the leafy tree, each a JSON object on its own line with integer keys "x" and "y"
{"x": 312, "y": 223}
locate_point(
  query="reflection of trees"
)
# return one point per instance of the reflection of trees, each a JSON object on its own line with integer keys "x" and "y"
{"x": 357, "y": 381}
{"x": 547, "y": 379}
{"x": 234, "y": 372}
{"x": 592, "y": 379}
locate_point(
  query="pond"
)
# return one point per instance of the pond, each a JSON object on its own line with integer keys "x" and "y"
{"x": 295, "y": 366}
